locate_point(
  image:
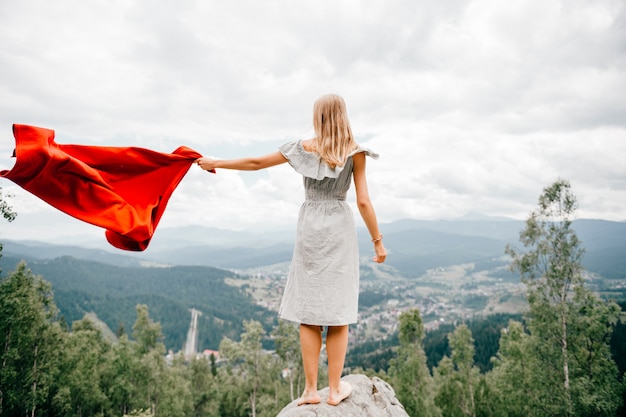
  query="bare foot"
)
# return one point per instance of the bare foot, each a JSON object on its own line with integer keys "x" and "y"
{"x": 345, "y": 389}
{"x": 309, "y": 398}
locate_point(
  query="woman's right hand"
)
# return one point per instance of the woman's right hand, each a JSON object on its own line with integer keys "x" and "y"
{"x": 381, "y": 253}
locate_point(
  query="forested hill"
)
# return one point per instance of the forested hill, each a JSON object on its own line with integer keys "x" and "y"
{"x": 113, "y": 292}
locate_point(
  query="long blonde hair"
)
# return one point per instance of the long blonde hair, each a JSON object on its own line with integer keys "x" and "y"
{"x": 332, "y": 130}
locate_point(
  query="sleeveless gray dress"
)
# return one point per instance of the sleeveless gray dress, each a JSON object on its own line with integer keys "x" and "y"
{"x": 323, "y": 283}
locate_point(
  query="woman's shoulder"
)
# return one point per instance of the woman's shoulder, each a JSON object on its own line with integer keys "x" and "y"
{"x": 308, "y": 145}
{"x": 302, "y": 156}
{"x": 366, "y": 151}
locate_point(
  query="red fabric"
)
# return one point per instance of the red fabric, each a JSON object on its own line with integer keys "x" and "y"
{"x": 122, "y": 189}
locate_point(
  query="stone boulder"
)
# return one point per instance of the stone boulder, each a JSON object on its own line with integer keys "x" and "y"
{"x": 370, "y": 397}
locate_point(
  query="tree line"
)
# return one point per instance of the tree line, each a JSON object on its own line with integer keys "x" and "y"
{"x": 112, "y": 292}
{"x": 47, "y": 369}
{"x": 555, "y": 361}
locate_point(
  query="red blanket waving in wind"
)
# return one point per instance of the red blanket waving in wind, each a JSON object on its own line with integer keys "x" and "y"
{"x": 122, "y": 189}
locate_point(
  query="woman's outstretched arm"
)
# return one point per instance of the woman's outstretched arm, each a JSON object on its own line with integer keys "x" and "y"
{"x": 242, "y": 164}
{"x": 366, "y": 208}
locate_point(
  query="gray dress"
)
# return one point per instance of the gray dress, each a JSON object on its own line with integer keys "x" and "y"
{"x": 323, "y": 283}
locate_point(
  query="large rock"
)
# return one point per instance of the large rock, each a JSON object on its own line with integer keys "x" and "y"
{"x": 370, "y": 398}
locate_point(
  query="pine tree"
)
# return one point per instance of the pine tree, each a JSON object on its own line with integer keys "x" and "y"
{"x": 150, "y": 364}
{"x": 409, "y": 373}
{"x": 457, "y": 377}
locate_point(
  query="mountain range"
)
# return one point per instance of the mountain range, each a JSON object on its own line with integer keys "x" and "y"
{"x": 188, "y": 268}
{"x": 414, "y": 246}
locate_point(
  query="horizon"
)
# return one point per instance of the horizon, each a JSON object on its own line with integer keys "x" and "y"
{"x": 85, "y": 233}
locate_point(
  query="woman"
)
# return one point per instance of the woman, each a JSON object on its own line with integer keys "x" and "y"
{"x": 323, "y": 284}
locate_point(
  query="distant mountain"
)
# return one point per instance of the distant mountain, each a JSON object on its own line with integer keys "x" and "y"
{"x": 412, "y": 252}
{"x": 34, "y": 250}
{"x": 235, "y": 257}
{"x": 417, "y": 245}
{"x": 493, "y": 228}
{"x": 605, "y": 245}
{"x": 111, "y": 282}
{"x": 414, "y": 246}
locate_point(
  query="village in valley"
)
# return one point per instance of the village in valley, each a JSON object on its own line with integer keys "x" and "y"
{"x": 442, "y": 295}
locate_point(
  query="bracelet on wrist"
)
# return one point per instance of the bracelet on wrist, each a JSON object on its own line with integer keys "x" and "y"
{"x": 378, "y": 239}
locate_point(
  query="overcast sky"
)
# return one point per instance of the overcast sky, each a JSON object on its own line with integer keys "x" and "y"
{"x": 474, "y": 106}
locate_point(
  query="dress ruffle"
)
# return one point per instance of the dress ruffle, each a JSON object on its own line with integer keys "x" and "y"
{"x": 311, "y": 165}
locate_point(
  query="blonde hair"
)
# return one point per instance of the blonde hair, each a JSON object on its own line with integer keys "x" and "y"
{"x": 332, "y": 130}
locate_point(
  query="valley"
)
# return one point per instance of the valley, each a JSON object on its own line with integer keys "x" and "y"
{"x": 450, "y": 270}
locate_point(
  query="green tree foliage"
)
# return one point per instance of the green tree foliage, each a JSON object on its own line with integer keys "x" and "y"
{"x": 556, "y": 362}
{"x": 175, "y": 391}
{"x": 373, "y": 356}
{"x": 618, "y": 340}
{"x": 595, "y": 387}
{"x": 485, "y": 332}
{"x": 146, "y": 332}
{"x": 204, "y": 387}
{"x": 30, "y": 339}
{"x": 113, "y": 292}
{"x": 551, "y": 269}
{"x": 6, "y": 210}
{"x": 287, "y": 342}
{"x": 409, "y": 374}
{"x": 517, "y": 372}
{"x": 164, "y": 389}
{"x": 570, "y": 327}
{"x": 457, "y": 377}
{"x": 260, "y": 369}
{"x": 48, "y": 370}
{"x": 123, "y": 371}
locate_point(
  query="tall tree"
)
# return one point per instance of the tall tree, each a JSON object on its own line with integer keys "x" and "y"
{"x": 123, "y": 372}
{"x": 146, "y": 332}
{"x": 517, "y": 374}
{"x": 595, "y": 387}
{"x": 151, "y": 362}
{"x": 30, "y": 339}
{"x": 204, "y": 392}
{"x": 81, "y": 386}
{"x": 551, "y": 269}
{"x": 175, "y": 396}
{"x": 457, "y": 377}
{"x": 257, "y": 366}
{"x": 409, "y": 373}
{"x": 562, "y": 307}
{"x": 287, "y": 343}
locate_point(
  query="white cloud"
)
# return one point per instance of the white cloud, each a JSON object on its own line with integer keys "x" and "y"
{"x": 474, "y": 105}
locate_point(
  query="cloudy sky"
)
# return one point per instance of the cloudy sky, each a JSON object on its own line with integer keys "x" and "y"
{"x": 473, "y": 105}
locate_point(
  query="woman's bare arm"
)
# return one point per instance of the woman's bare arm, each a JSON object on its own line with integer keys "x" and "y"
{"x": 366, "y": 208}
{"x": 242, "y": 164}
